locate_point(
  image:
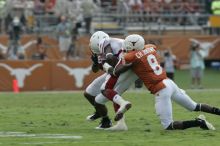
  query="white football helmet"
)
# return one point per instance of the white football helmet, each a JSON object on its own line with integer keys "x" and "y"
{"x": 134, "y": 42}
{"x": 95, "y": 39}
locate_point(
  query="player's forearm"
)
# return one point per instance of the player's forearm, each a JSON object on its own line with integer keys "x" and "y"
{"x": 121, "y": 69}
{"x": 95, "y": 68}
{"x": 111, "y": 59}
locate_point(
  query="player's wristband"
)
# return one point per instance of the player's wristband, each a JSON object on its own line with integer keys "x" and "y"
{"x": 106, "y": 67}
{"x": 114, "y": 72}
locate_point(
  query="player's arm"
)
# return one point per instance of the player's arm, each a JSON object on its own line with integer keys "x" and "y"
{"x": 110, "y": 58}
{"x": 95, "y": 65}
{"x": 119, "y": 68}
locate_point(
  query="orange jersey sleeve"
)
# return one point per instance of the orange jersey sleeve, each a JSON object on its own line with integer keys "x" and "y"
{"x": 129, "y": 57}
{"x": 147, "y": 67}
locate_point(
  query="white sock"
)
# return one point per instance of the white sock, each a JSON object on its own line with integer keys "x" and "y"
{"x": 122, "y": 121}
{"x": 118, "y": 99}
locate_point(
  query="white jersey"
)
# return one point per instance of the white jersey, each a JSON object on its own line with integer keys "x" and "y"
{"x": 116, "y": 46}
{"x": 124, "y": 80}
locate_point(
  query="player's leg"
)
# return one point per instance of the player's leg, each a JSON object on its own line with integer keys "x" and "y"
{"x": 207, "y": 108}
{"x": 118, "y": 102}
{"x": 124, "y": 82}
{"x": 163, "y": 106}
{"x": 107, "y": 91}
{"x": 91, "y": 92}
{"x": 119, "y": 126}
{"x": 100, "y": 101}
{"x": 200, "y": 121}
{"x": 184, "y": 100}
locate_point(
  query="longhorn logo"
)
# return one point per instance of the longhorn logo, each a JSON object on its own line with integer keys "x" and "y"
{"x": 133, "y": 43}
{"x": 4, "y": 48}
{"x": 77, "y": 73}
{"x": 20, "y": 73}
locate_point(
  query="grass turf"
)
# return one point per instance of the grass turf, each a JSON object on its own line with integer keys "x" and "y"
{"x": 38, "y": 114}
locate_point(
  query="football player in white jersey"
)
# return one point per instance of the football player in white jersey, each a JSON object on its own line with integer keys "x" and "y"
{"x": 108, "y": 87}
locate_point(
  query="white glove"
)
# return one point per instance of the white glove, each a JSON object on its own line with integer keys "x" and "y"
{"x": 106, "y": 67}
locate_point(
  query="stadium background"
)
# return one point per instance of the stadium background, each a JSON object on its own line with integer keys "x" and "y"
{"x": 56, "y": 118}
{"x": 166, "y": 23}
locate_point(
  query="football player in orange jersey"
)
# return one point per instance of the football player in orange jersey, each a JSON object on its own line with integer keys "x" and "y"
{"x": 143, "y": 60}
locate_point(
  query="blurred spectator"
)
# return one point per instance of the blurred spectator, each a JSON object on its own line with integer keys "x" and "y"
{"x": 88, "y": 8}
{"x": 122, "y": 10}
{"x": 215, "y": 6}
{"x": 39, "y": 7}
{"x": 29, "y": 15}
{"x": 41, "y": 52}
{"x": 197, "y": 65}
{"x": 2, "y": 13}
{"x": 8, "y": 21}
{"x": 15, "y": 29}
{"x": 64, "y": 35}
{"x": 136, "y": 8}
{"x": 97, "y": 2}
{"x": 15, "y": 50}
{"x": 169, "y": 63}
{"x": 75, "y": 12}
{"x": 60, "y": 8}
{"x": 49, "y": 6}
{"x": 71, "y": 9}
{"x": 188, "y": 12}
{"x": 71, "y": 53}
{"x": 136, "y": 5}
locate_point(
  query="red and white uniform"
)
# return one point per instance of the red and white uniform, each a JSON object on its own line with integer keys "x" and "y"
{"x": 119, "y": 84}
{"x": 146, "y": 66}
{"x": 116, "y": 45}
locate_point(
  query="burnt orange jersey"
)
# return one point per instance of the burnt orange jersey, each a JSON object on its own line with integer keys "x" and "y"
{"x": 146, "y": 65}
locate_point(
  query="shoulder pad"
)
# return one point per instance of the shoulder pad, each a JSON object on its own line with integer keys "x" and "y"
{"x": 102, "y": 44}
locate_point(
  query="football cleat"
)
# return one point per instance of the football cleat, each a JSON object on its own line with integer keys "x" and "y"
{"x": 120, "y": 126}
{"x": 205, "y": 125}
{"x": 123, "y": 108}
{"x": 105, "y": 123}
{"x": 93, "y": 117}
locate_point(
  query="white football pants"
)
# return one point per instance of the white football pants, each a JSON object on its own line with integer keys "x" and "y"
{"x": 123, "y": 83}
{"x": 163, "y": 103}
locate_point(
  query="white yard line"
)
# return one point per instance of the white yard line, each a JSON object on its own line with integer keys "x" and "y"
{"x": 40, "y": 143}
{"x": 46, "y": 135}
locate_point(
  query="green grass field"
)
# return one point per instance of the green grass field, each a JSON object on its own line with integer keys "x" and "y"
{"x": 57, "y": 119}
{"x": 211, "y": 79}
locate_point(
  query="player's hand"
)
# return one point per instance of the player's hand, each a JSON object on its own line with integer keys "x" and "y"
{"x": 94, "y": 59}
{"x": 95, "y": 68}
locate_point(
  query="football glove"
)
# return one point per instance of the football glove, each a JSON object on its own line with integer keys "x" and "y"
{"x": 94, "y": 59}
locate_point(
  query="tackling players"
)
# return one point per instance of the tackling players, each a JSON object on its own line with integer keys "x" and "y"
{"x": 143, "y": 60}
{"x": 108, "y": 87}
